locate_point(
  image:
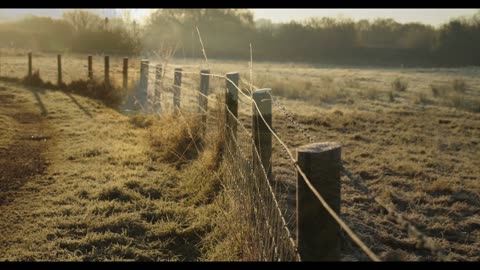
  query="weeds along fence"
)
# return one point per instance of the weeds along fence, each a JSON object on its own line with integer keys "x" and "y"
{"x": 289, "y": 205}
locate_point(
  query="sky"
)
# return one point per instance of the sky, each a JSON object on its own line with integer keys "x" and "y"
{"x": 429, "y": 16}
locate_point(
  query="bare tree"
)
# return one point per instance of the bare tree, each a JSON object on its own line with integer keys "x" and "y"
{"x": 82, "y": 20}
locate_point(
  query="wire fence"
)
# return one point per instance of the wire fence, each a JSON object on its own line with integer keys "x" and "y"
{"x": 422, "y": 241}
{"x": 265, "y": 195}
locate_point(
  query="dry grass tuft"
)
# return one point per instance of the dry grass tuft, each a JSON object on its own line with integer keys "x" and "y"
{"x": 110, "y": 94}
{"x": 459, "y": 85}
{"x": 453, "y": 94}
{"x": 399, "y": 84}
{"x": 36, "y": 81}
{"x": 170, "y": 138}
{"x": 141, "y": 121}
{"x": 421, "y": 98}
{"x": 115, "y": 193}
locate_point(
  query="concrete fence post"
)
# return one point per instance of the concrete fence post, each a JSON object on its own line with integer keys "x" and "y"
{"x": 318, "y": 235}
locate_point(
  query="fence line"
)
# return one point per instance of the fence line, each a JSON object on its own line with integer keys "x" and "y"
{"x": 268, "y": 208}
{"x": 345, "y": 227}
{"x": 231, "y": 151}
{"x": 422, "y": 240}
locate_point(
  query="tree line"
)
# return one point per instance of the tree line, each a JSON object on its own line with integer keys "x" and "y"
{"x": 228, "y": 33}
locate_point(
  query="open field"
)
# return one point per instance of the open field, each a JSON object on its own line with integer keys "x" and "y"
{"x": 412, "y": 134}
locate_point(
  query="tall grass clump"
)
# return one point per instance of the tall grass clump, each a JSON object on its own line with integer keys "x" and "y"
{"x": 421, "y": 98}
{"x": 36, "y": 81}
{"x": 456, "y": 85}
{"x": 172, "y": 139}
{"x": 399, "y": 84}
{"x": 453, "y": 94}
{"x": 438, "y": 90}
{"x": 107, "y": 92}
{"x": 459, "y": 85}
{"x": 391, "y": 96}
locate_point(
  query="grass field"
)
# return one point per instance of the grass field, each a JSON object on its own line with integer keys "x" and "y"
{"x": 412, "y": 134}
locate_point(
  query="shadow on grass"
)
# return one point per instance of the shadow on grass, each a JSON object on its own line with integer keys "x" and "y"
{"x": 108, "y": 93}
{"x": 35, "y": 91}
{"x": 78, "y": 104}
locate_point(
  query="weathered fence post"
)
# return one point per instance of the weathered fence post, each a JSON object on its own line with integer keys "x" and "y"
{"x": 261, "y": 133}
{"x": 203, "y": 96}
{"x": 59, "y": 63}
{"x": 107, "y": 70}
{"x": 177, "y": 83}
{"x": 144, "y": 64}
{"x": 90, "y": 68}
{"x": 125, "y": 74}
{"x": 318, "y": 235}
{"x": 158, "y": 83}
{"x": 231, "y": 99}
{"x": 29, "y": 64}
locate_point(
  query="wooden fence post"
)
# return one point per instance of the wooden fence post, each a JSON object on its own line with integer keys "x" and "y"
{"x": 30, "y": 64}
{"x": 203, "y": 97}
{"x": 157, "y": 97}
{"x": 261, "y": 133}
{"x": 125, "y": 74}
{"x": 177, "y": 83}
{"x": 107, "y": 70}
{"x": 231, "y": 99}
{"x": 318, "y": 235}
{"x": 90, "y": 68}
{"x": 144, "y": 65}
{"x": 59, "y": 63}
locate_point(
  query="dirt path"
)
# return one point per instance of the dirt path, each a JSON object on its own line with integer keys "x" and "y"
{"x": 78, "y": 182}
{"x": 25, "y": 138}
{"x": 22, "y": 159}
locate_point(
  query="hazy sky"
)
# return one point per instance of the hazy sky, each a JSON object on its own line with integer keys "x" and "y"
{"x": 430, "y": 16}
